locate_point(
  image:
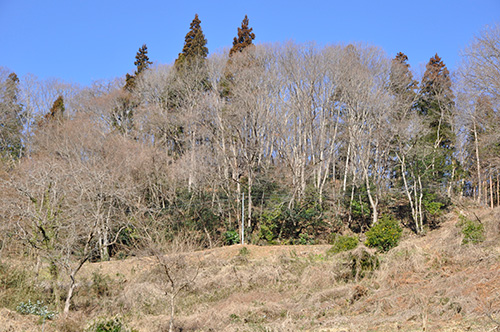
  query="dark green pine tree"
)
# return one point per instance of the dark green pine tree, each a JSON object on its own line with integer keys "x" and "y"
{"x": 436, "y": 107}
{"x": 122, "y": 116}
{"x": 242, "y": 42}
{"x": 402, "y": 83}
{"x": 436, "y": 103}
{"x": 142, "y": 63}
{"x": 11, "y": 127}
{"x": 142, "y": 60}
{"x": 245, "y": 38}
{"x": 57, "y": 109}
{"x": 195, "y": 45}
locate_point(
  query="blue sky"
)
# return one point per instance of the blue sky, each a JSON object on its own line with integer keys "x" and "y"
{"x": 85, "y": 40}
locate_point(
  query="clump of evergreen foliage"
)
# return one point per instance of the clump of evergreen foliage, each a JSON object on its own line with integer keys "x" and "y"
{"x": 115, "y": 324}
{"x": 473, "y": 231}
{"x": 343, "y": 243}
{"x": 384, "y": 235}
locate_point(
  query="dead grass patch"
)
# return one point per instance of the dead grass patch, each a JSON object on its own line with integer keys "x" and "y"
{"x": 432, "y": 281}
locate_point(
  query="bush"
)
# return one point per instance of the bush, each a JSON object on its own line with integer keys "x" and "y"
{"x": 305, "y": 239}
{"x": 35, "y": 308}
{"x": 473, "y": 231}
{"x": 343, "y": 243}
{"x": 231, "y": 237}
{"x": 114, "y": 324}
{"x": 384, "y": 235}
{"x": 244, "y": 252}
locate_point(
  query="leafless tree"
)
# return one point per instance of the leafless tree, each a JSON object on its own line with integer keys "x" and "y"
{"x": 176, "y": 270}
{"x": 366, "y": 110}
{"x": 76, "y": 195}
{"x": 37, "y": 97}
{"x": 480, "y": 67}
{"x": 478, "y": 95}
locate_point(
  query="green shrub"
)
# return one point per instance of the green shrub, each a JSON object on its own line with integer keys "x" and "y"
{"x": 473, "y": 231}
{"x": 114, "y": 324}
{"x": 244, "y": 252}
{"x": 266, "y": 232}
{"x": 385, "y": 234}
{"x": 305, "y": 239}
{"x": 343, "y": 243}
{"x": 38, "y": 309}
{"x": 360, "y": 209}
{"x": 231, "y": 237}
{"x": 35, "y": 308}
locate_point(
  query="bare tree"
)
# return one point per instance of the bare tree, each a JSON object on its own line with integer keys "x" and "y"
{"x": 365, "y": 104}
{"x": 76, "y": 195}
{"x": 37, "y": 97}
{"x": 249, "y": 118}
{"x": 177, "y": 269}
{"x": 480, "y": 67}
{"x": 478, "y": 92}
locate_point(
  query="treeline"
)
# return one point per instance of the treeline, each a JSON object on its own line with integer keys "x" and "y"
{"x": 299, "y": 140}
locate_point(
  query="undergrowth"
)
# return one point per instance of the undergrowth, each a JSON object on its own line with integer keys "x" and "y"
{"x": 114, "y": 324}
{"x": 18, "y": 285}
{"x": 473, "y": 231}
{"x": 385, "y": 234}
{"x": 293, "y": 289}
{"x": 343, "y": 243}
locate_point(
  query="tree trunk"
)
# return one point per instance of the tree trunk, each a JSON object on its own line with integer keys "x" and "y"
{"x": 72, "y": 284}
{"x": 498, "y": 189}
{"x": 373, "y": 202}
{"x": 172, "y": 312}
{"x": 250, "y": 184}
{"x": 421, "y": 214}
{"x": 346, "y": 166}
{"x": 478, "y": 163}
{"x": 70, "y": 294}
{"x": 413, "y": 205}
{"x": 350, "y": 204}
{"x": 491, "y": 192}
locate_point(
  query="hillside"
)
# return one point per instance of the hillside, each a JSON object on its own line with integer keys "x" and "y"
{"x": 430, "y": 283}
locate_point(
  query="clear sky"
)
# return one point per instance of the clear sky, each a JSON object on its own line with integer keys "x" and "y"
{"x": 85, "y": 40}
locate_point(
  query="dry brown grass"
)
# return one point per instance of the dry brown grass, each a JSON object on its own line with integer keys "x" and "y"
{"x": 432, "y": 282}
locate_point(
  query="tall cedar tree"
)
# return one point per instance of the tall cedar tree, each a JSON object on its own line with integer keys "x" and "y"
{"x": 10, "y": 118}
{"x": 191, "y": 73}
{"x": 402, "y": 83}
{"x": 194, "y": 45}
{"x": 142, "y": 63}
{"x": 436, "y": 102}
{"x": 436, "y": 105}
{"x": 57, "y": 110}
{"x": 123, "y": 114}
{"x": 244, "y": 39}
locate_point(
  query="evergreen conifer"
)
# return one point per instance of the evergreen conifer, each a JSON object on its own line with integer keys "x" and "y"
{"x": 436, "y": 102}
{"x": 244, "y": 39}
{"x": 142, "y": 63}
{"x": 10, "y": 118}
{"x": 195, "y": 45}
{"x": 402, "y": 83}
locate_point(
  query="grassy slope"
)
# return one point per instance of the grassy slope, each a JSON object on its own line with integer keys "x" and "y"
{"x": 432, "y": 283}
